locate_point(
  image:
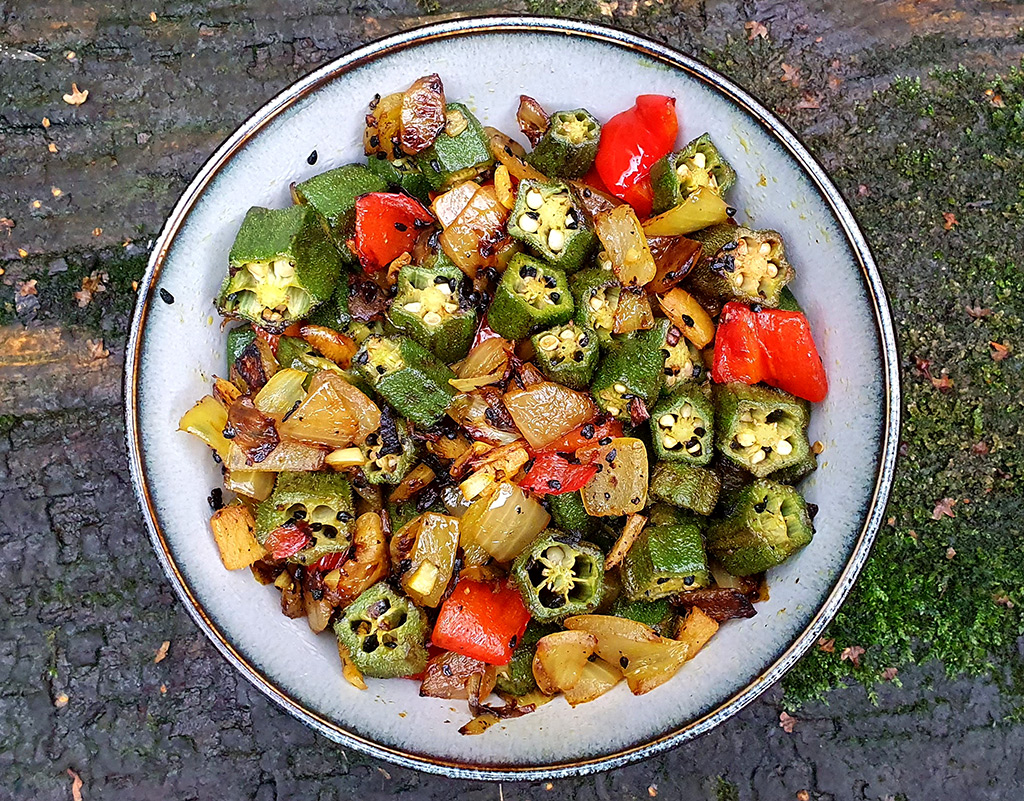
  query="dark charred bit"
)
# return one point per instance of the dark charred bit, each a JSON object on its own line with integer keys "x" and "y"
{"x": 389, "y": 439}
{"x": 216, "y": 499}
{"x": 638, "y": 412}
{"x": 673, "y": 336}
{"x": 426, "y": 498}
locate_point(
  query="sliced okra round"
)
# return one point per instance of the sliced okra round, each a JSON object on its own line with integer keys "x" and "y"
{"x": 567, "y": 354}
{"x": 761, "y": 429}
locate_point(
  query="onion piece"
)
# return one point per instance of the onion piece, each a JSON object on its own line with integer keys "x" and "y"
{"x": 533, "y": 120}
{"x": 334, "y": 413}
{"x": 484, "y": 416}
{"x": 206, "y": 420}
{"x": 251, "y": 484}
{"x": 597, "y": 678}
{"x": 546, "y": 411}
{"x": 415, "y": 480}
{"x": 621, "y": 487}
{"x": 449, "y": 205}
{"x": 486, "y": 364}
{"x": 253, "y": 432}
{"x": 282, "y": 392}
{"x": 423, "y": 113}
{"x": 560, "y": 658}
{"x": 688, "y": 316}
{"x": 504, "y": 522}
{"x": 384, "y": 126}
{"x": 290, "y": 456}
{"x": 337, "y": 347}
{"x": 477, "y": 234}
{"x": 633, "y": 312}
{"x": 626, "y": 246}
{"x": 447, "y": 676}
{"x": 703, "y": 208}
{"x": 511, "y": 153}
{"x": 674, "y": 258}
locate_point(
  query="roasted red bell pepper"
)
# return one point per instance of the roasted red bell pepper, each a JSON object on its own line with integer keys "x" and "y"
{"x": 288, "y": 540}
{"x": 769, "y": 345}
{"x": 552, "y": 474}
{"x": 482, "y": 620}
{"x": 631, "y": 142}
{"x": 387, "y": 225}
{"x": 330, "y": 562}
{"x": 584, "y": 436}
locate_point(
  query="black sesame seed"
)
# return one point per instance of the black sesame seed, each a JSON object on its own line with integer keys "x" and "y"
{"x": 216, "y": 499}
{"x": 610, "y": 456}
{"x": 604, "y": 440}
{"x": 513, "y": 641}
{"x": 577, "y": 356}
{"x": 761, "y": 507}
{"x": 361, "y": 358}
{"x": 527, "y": 271}
{"x": 555, "y": 484}
{"x": 730, "y": 211}
{"x": 588, "y": 431}
{"x": 381, "y": 369}
{"x": 312, "y": 157}
{"x": 624, "y": 662}
{"x": 687, "y": 320}
{"x": 688, "y": 580}
{"x": 400, "y": 226}
{"x": 166, "y": 296}
{"x": 299, "y": 514}
{"x": 555, "y": 297}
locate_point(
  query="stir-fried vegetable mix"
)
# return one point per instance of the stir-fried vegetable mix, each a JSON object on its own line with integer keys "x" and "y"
{"x": 509, "y": 421}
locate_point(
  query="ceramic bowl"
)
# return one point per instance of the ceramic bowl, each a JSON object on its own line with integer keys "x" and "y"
{"x": 176, "y": 348}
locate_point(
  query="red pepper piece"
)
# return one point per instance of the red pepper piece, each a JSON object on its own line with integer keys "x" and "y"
{"x": 584, "y": 436}
{"x": 288, "y": 540}
{"x": 387, "y": 225}
{"x": 552, "y": 474}
{"x": 770, "y": 345}
{"x": 330, "y": 562}
{"x": 482, "y": 620}
{"x": 631, "y": 142}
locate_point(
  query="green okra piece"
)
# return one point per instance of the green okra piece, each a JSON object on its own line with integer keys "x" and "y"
{"x": 390, "y": 452}
{"x": 685, "y": 485}
{"x": 460, "y": 152}
{"x": 796, "y": 473}
{"x": 548, "y": 221}
{"x": 569, "y": 145}
{"x": 401, "y": 174}
{"x": 334, "y": 313}
{"x": 333, "y": 195}
{"x": 734, "y": 479}
{"x": 407, "y": 376}
{"x": 385, "y": 634}
{"x": 665, "y": 560}
{"x": 238, "y": 340}
{"x": 281, "y": 267}
{"x": 630, "y": 370}
{"x": 788, "y": 301}
{"x": 665, "y": 514}
{"x": 557, "y": 579}
{"x": 567, "y": 354}
{"x": 678, "y": 175}
{"x": 683, "y": 426}
{"x": 759, "y": 428}
{"x": 531, "y": 295}
{"x": 430, "y": 308}
{"x": 742, "y": 264}
{"x": 769, "y": 524}
{"x": 658, "y": 615}
{"x": 569, "y": 515}
{"x": 322, "y": 500}
{"x": 595, "y": 293}
{"x": 516, "y": 678}
{"x": 684, "y": 363}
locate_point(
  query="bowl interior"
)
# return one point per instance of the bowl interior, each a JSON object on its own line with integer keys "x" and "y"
{"x": 180, "y": 348}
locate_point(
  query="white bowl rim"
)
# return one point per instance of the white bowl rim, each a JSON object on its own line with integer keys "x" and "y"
{"x": 889, "y": 435}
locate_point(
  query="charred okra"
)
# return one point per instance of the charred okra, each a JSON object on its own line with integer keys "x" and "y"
{"x": 665, "y": 560}
{"x": 567, "y": 354}
{"x": 742, "y": 264}
{"x": 657, "y": 615}
{"x": 557, "y": 580}
{"x": 683, "y": 426}
{"x": 385, "y": 634}
{"x": 686, "y": 486}
{"x": 401, "y": 174}
{"x": 281, "y": 267}
{"x": 318, "y": 505}
{"x": 632, "y": 370}
{"x": 759, "y": 428}
{"x": 459, "y": 153}
{"x": 333, "y": 194}
{"x": 547, "y": 219}
{"x": 407, "y": 376}
{"x": 769, "y": 524}
{"x": 683, "y": 362}
{"x": 430, "y": 309}
{"x": 677, "y": 176}
{"x": 569, "y": 145}
{"x": 531, "y": 295}
{"x": 569, "y": 514}
{"x": 390, "y": 452}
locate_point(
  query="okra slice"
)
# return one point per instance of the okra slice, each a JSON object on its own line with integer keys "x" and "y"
{"x": 281, "y": 267}
{"x": 769, "y": 524}
{"x": 401, "y": 174}
{"x": 658, "y": 615}
{"x": 788, "y": 301}
{"x": 323, "y": 501}
{"x": 796, "y": 473}
{"x": 665, "y": 560}
{"x": 569, "y": 514}
{"x": 759, "y": 428}
{"x": 595, "y": 292}
{"x": 531, "y": 295}
{"x": 238, "y": 340}
{"x": 297, "y": 354}
{"x": 683, "y": 426}
{"x": 742, "y": 264}
{"x": 557, "y": 579}
{"x": 567, "y": 354}
{"x": 390, "y": 452}
{"x": 407, "y": 376}
{"x": 569, "y": 145}
{"x": 632, "y": 370}
{"x": 384, "y": 633}
{"x": 683, "y": 361}
{"x": 547, "y": 219}
{"x": 686, "y": 486}
{"x": 678, "y": 175}
{"x": 665, "y": 514}
{"x": 459, "y": 153}
{"x": 334, "y": 313}
{"x": 516, "y": 678}
{"x": 333, "y": 194}
{"x": 430, "y": 309}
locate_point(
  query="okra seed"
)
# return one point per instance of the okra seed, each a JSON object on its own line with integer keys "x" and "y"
{"x": 700, "y": 161}
{"x": 614, "y": 411}
{"x": 570, "y": 220}
{"x": 555, "y": 297}
{"x": 413, "y": 308}
{"x": 745, "y": 439}
{"x": 620, "y": 388}
{"x": 432, "y": 318}
{"x": 554, "y": 554}
{"x": 693, "y": 447}
{"x": 772, "y": 271}
{"x": 746, "y": 417}
{"x": 758, "y": 457}
{"x": 567, "y": 334}
{"x": 534, "y": 199}
{"x": 451, "y": 307}
{"x": 528, "y": 223}
{"x": 765, "y": 248}
{"x": 737, "y": 279}
{"x": 783, "y": 447}
{"x": 596, "y": 304}
{"x": 548, "y": 342}
{"x": 686, "y": 412}
{"x": 556, "y": 240}
{"x": 444, "y": 288}
{"x": 667, "y": 420}
{"x": 669, "y": 442}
